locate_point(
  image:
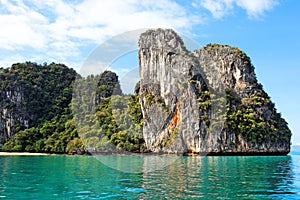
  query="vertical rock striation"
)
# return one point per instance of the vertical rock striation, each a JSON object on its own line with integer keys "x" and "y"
{"x": 208, "y": 101}
{"x": 167, "y": 95}
{"x": 13, "y": 115}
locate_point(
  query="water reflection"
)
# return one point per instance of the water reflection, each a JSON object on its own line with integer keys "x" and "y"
{"x": 67, "y": 177}
{"x": 226, "y": 177}
{"x": 137, "y": 163}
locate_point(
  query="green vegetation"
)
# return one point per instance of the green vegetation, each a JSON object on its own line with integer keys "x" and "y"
{"x": 212, "y": 48}
{"x": 204, "y": 100}
{"x": 241, "y": 54}
{"x": 106, "y": 119}
{"x": 170, "y": 138}
{"x": 40, "y": 112}
{"x": 248, "y": 118}
{"x": 152, "y": 99}
{"x": 116, "y": 125}
{"x": 37, "y": 100}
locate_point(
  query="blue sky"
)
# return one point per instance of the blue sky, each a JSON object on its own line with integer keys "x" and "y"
{"x": 68, "y": 32}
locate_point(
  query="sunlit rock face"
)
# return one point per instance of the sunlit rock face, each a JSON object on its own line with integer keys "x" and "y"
{"x": 206, "y": 101}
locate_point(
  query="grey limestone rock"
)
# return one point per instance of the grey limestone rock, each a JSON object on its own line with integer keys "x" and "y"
{"x": 191, "y": 100}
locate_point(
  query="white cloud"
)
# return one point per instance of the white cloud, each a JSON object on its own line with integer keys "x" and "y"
{"x": 9, "y": 60}
{"x": 59, "y": 29}
{"x": 256, "y": 8}
{"x": 220, "y": 8}
{"x": 19, "y": 27}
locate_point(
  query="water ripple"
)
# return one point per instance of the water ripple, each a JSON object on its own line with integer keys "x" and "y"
{"x": 79, "y": 177}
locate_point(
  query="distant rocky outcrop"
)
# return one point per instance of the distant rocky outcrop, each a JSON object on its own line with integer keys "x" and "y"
{"x": 107, "y": 85}
{"x": 207, "y": 101}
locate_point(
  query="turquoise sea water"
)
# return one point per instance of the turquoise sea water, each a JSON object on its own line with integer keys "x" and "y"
{"x": 85, "y": 177}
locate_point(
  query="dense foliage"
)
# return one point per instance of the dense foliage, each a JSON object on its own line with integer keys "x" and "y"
{"x": 38, "y": 98}
{"x": 113, "y": 122}
{"x": 249, "y": 117}
{"x": 37, "y": 92}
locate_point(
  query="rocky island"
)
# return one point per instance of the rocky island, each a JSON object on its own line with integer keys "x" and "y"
{"x": 205, "y": 102}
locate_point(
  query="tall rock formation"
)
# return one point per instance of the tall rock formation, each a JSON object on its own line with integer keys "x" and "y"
{"x": 207, "y": 101}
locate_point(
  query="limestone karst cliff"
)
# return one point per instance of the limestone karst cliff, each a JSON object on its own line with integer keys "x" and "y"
{"x": 206, "y": 101}
{"x": 30, "y": 95}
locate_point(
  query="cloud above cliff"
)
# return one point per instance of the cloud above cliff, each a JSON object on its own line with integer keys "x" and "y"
{"x": 67, "y": 31}
{"x": 37, "y": 23}
{"x": 221, "y": 8}
{"x": 64, "y": 28}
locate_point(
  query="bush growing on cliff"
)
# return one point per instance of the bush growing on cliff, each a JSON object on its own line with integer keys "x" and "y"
{"x": 248, "y": 118}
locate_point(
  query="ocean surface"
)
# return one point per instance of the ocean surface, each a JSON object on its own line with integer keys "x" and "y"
{"x": 151, "y": 177}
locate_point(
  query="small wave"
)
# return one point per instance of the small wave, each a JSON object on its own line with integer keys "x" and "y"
{"x": 111, "y": 196}
{"x": 135, "y": 190}
{"x": 84, "y": 192}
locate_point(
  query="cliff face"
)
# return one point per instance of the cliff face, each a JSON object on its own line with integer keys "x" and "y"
{"x": 31, "y": 94}
{"x": 168, "y": 99}
{"x": 207, "y": 101}
{"x": 12, "y": 116}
